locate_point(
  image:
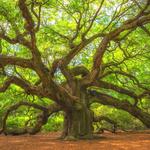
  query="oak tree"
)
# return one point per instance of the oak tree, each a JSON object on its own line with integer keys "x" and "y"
{"x": 77, "y": 52}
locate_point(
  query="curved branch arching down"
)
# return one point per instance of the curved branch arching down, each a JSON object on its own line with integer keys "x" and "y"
{"x": 104, "y": 118}
{"x": 12, "y": 60}
{"x": 131, "y": 77}
{"x": 116, "y": 88}
{"x": 41, "y": 118}
{"x": 135, "y": 111}
{"x": 106, "y": 85}
{"x": 25, "y": 85}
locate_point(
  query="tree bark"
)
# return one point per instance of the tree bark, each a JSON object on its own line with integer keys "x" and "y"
{"x": 78, "y": 120}
{"x": 123, "y": 105}
{"x": 141, "y": 115}
{"x": 78, "y": 124}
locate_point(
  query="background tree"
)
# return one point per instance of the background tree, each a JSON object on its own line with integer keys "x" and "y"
{"x": 75, "y": 53}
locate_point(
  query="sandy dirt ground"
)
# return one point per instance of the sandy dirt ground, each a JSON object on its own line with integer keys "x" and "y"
{"x": 107, "y": 141}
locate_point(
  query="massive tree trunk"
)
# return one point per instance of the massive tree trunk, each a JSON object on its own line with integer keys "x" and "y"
{"x": 78, "y": 120}
{"x": 78, "y": 124}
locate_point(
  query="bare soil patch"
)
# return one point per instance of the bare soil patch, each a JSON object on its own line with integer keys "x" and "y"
{"x": 107, "y": 141}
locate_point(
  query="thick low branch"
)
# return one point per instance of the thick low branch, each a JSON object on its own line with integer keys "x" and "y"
{"x": 104, "y": 118}
{"x": 12, "y": 60}
{"x": 120, "y": 104}
{"x": 80, "y": 70}
{"x": 130, "y": 76}
{"x": 14, "y": 107}
{"x": 106, "y": 85}
{"x": 41, "y": 118}
{"x": 116, "y": 88}
{"x": 29, "y": 89}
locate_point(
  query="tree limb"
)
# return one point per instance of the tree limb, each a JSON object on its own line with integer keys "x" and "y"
{"x": 108, "y": 100}
{"x": 12, "y": 60}
{"x": 41, "y": 118}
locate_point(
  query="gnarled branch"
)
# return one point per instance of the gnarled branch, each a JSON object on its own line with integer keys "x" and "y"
{"x": 12, "y": 60}
{"x": 41, "y": 118}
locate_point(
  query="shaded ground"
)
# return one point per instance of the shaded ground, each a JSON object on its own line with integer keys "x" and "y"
{"x": 107, "y": 141}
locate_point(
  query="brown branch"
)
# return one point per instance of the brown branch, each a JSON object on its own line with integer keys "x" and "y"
{"x": 104, "y": 118}
{"x": 136, "y": 97}
{"x": 78, "y": 28}
{"x": 14, "y": 107}
{"x": 106, "y": 85}
{"x": 12, "y": 60}
{"x": 29, "y": 26}
{"x": 41, "y": 118}
{"x": 26, "y": 86}
{"x": 59, "y": 34}
{"x": 8, "y": 39}
{"x": 93, "y": 19}
{"x": 39, "y": 66}
{"x": 108, "y": 100}
{"x": 130, "y": 76}
{"x": 146, "y": 30}
{"x": 18, "y": 39}
{"x": 97, "y": 61}
{"x": 79, "y": 70}
{"x": 37, "y": 15}
{"x": 101, "y": 118}
{"x": 26, "y": 15}
{"x": 144, "y": 94}
{"x": 77, "y": 48}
